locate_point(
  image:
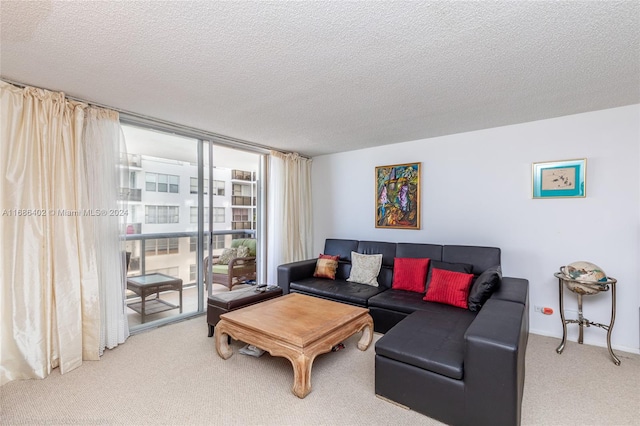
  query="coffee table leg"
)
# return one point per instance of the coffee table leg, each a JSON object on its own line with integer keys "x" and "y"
{"x": 222, "y": 342}
{"x": 301, "y": 375}
{"x": 367, "y": 335}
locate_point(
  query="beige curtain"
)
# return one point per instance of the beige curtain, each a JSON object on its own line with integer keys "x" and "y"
{"x": 50, "y": 303}
{"x": 290, "y": 231}
{"x": 106, "y": 175}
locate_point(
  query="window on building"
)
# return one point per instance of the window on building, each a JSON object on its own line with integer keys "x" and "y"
{"x": 240, "y": 215}
{"x": 193, "y": 187}
{"x": 193, "y": 214}
{"x": 239, "y": 189}
{"x": 193, "y": 272}
{"x": 154, "y": 247}
{"x": 161, "y": 214}
{"x": 218, "y": 215}
{"x": 174, "y": 184}
{"x": 151, "y": 181}
{"x": 158, "y": 182}
{"x": 218, "y": 187}
{"x": 218, "y": 243}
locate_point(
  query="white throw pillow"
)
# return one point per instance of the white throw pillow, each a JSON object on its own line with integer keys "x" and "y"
{"x": 365, "y": 268}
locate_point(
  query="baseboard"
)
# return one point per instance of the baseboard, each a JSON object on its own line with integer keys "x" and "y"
{"x": 393, "y": 402}
{"x": 602, "y": 344}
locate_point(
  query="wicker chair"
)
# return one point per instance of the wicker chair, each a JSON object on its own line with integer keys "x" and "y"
{"x": 238, "y": 270}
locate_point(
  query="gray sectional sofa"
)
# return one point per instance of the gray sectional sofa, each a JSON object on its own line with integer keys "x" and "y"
{"x": 449, "y": 363}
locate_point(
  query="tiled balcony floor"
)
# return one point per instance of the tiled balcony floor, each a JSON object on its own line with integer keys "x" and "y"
{"x": 189, "y": 301}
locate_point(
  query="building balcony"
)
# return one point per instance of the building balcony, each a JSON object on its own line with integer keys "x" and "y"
{"x": 130, "y": 194}
{"x": 242, "y": 175}
{"x": 243, "y": 200}
{"x": 134, "y": 228}
{"x": 242, "y": 225}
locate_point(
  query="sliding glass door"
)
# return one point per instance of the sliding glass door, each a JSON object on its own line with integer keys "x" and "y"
{"x": 189, "y": 200}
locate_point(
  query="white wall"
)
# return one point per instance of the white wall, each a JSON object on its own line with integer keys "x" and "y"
{"x": 476, "y": 190}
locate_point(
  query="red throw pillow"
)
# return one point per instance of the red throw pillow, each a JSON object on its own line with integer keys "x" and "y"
{"x": 410, "y": 274}
{"x": 326, "y": 266}
{"x": 451, "y": 288}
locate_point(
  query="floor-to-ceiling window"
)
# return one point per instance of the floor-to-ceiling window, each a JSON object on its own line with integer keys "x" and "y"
{"x": 187, "y": 199}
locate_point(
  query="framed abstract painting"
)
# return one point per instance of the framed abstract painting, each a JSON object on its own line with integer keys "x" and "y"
{"x": 560, "y": 179}
{"x": 398, "y": 196}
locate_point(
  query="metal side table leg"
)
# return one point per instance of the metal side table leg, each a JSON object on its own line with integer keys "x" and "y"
{"x": 564, "y": 323}
{"x": 582, "y": 322}
{"x": 616, "y": 361}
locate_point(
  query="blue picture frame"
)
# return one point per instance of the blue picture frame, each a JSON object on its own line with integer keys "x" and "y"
{"x": 560, "y": 179}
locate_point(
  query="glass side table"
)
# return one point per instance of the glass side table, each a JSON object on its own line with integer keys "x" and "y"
{"x": 586, "y": 288}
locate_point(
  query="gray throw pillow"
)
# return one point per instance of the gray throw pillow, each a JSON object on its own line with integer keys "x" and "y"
{"x": 365, "y": 268}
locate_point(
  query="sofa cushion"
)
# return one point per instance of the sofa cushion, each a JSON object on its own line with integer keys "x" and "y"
{"x": 399, "y": 300}
{"x": 410, "y": 274}
{"x": 432, "y": 340}
{"x": 483, "y": 287}
{"x": 326, "y": 266}
{"x": 449, "y": 287}
{"x": 365, "y": 268}
{"x": 344, "y": 291}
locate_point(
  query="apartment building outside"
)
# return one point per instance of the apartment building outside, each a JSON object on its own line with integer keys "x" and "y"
{"x": 163, "y": 199}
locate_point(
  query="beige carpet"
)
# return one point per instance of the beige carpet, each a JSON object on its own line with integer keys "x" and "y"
{"x": 173, "y": 376}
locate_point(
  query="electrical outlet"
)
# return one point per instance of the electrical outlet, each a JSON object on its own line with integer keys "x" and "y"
{"x": 543, "y": 310}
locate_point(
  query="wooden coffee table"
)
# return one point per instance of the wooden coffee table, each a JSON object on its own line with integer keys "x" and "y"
{"x": 296, "y": 327}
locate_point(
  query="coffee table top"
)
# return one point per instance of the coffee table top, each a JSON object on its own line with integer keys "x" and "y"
{"x": 295, "y": 318}
{"x": 152, "y": 279}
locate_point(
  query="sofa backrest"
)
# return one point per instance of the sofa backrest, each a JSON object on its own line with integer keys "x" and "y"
{"x": 342, "y": 248}
{"x": 247, "y": 242}
{"x": 413, "y": 250}
{"x": 481, "y": 258}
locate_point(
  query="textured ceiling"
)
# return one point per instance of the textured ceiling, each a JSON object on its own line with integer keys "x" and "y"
{"x": 322, "y": 77}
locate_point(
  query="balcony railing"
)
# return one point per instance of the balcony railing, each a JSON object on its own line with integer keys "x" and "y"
{"x": 242, "y": 175}
{"x": 130, "y": 194}
{"x": 243, "y": 200}
{"x": 134, "y": 228}
{"x": 137, "y": 264}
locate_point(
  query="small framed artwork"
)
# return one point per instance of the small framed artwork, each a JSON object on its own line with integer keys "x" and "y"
{"x": 560, "y": 179}
{"x": 398, "y": 196}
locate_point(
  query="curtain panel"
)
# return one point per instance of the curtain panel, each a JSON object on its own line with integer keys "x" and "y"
{"x": 290, "y": 211}
{"x": 53, "y": 265}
